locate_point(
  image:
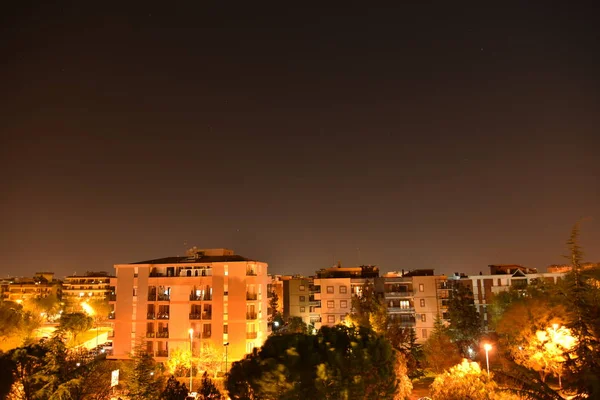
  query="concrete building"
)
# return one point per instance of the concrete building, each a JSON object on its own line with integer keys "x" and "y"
{"x": 221, "y": 296}
{"x": 42, "y": 285}
{"x": 93, "y": 287}
{"x": 501, "y": 278}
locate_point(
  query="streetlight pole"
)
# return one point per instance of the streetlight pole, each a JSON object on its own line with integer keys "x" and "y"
{"x": 487, "y": 348}
{"x": 226, "y": 347}
{"x": 191, "y": 332}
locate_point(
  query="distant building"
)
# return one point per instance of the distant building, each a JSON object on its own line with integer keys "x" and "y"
{"x": 22, "y": 289}
{"x": 500, "y": 279}
{"x": 220, "y": 296}
{"x": 91, "y": 287}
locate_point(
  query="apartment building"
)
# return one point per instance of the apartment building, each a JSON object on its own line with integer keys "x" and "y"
{"x": 220, "y": 296}
{"x": 93, "y": 287}
{"x": 501, "y": 278}
{"x": 335, "y": 286}
{"x": 41, "y": 285}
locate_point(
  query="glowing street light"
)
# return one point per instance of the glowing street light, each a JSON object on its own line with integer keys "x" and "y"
{"x": 191, "y": 332}
{"x": 487, "y": 348}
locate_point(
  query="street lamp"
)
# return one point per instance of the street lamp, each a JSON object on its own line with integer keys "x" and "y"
{"x": 487, "y": 348}
{"x": 226, "y": 347}
{"x": 191, "y": 332}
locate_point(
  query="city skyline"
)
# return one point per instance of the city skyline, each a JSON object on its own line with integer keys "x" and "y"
{"x": 417, "y": 136}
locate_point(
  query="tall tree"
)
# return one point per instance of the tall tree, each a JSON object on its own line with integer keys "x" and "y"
{"x": 465, "y": 322}
{"x": 208, "y": 389}
{"x": 581, "y": 293}
{"x": 439, "y": 350}
{"x": 368, "y": 309}
{"x": 142, "y": 381}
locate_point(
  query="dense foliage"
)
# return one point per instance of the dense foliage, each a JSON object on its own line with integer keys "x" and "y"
{"x": 337, "y": 363}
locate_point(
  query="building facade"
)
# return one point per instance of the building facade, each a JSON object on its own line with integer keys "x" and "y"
{"x": 221, "y": 297}
{"x": 81, "y": 290}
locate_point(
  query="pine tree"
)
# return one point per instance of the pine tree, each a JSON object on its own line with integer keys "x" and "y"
{"x": 142, "y": 382}
{"x": 208, "y": 390}
{"x": 174, "y": 390}
{"x": 582, "y": 295}
{"x": 465, "y": 322}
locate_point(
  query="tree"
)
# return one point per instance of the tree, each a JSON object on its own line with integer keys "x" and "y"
{"x": 75, "y": 324}
{"x": 295, "y": 325}
{"x": 208, "y": 390}
{"x": 174, "y": 390}
{"x": 439, "y": 350}
{"x": 465, "y": 322}
{"x": 142, "y": 378}
{"x": 467, "y": 381}
{"x": 179, "y": 362}
{"x": 546, "y": 351}
{"x": 337, "y": 363}
{"x": 368, "y": 309}
{"x": 403, "y": 339}
{"x": 580, "y": 290}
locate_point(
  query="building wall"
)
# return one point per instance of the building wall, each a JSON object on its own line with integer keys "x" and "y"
{"x": 336, "y": 299}
{"x": 238, "y": 301}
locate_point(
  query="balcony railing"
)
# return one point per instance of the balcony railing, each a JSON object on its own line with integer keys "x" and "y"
{"x": 163, "y": 335}
{"x": 195, "y": 316}
{"x": 162, "y": 353}
{"x": 162, "y": 316}
{"x": 251, "y": 272}
{"x": 152, "y": 296}
{"x": 250, "y": 315}
{"x": 197, "y": 297}
{"x": 164, "y": 297}
{"x": 251, "y": 335}
{"x": 401, "y": 309}
{"x": 151, "y": 315}
{"x": 251, "y": 296}
{"x": 207, "y": 315}
{"x": 149, "y": 334}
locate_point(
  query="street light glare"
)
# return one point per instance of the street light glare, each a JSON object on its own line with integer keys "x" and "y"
{"x": 487, "y": 347}
{"x": 191, "y": 331}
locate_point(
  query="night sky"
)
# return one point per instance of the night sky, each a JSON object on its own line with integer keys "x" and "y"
{"x": 422, "y": 136}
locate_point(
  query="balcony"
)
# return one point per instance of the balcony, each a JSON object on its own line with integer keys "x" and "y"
{"x": 162, "y": 353}
{"x": 149, "y": 334}
{"x": 251, "y": 296}
{"x": 251, "y": 335}
{"x": 162, "y": 335}
{"x": 162, "y": 316}
{"x": 195, "y": 316}
{"x": 197, "y": 297}
{"x": 152, "y": 296}
{"x": 151, "y": 315}
{"x": 250, "y": 315}
{"x": 207, "y": 315}
{"x": 164, "y": 297}
{"x": 399, "y": 294}
{"x": 250, "y": 272}
{"x": 400, "y": 310}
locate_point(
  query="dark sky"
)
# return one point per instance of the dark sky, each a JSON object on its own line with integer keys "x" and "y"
{"x": 421, "y": 136}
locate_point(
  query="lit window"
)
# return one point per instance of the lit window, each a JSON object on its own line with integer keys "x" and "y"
{"x": 302, "y": 288}
{"x": 421, "y": 287}
{"x": 302, "y": 309}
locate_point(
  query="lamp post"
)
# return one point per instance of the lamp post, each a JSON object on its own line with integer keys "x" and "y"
{"x": 487, "y": 348}
{"x": 191, "y": 332}
{"x": 226, "y": 347}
